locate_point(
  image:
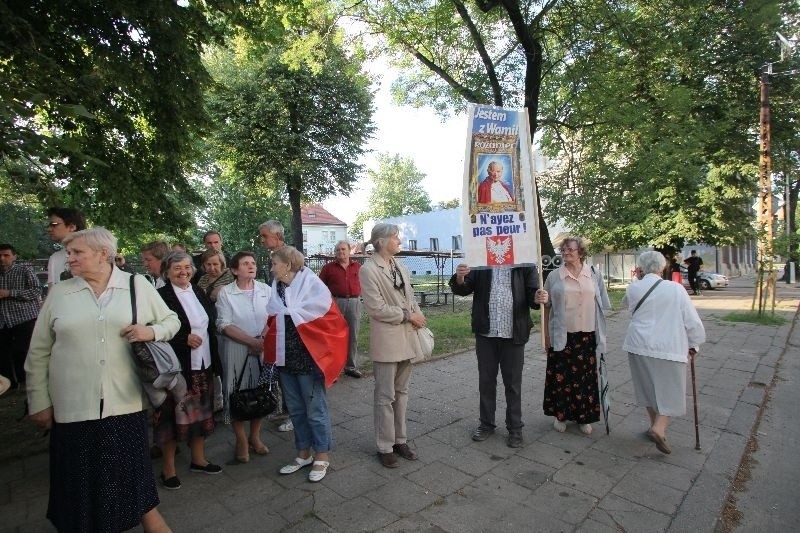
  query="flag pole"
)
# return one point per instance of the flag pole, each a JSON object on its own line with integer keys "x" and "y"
{"x": 535, "y": 195}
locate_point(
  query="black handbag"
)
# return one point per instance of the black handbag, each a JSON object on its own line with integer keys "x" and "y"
{"x": 258, "y": 402}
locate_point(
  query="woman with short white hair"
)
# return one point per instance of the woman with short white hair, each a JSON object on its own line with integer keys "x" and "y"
{"x": 665, "y": 331}
{"x": 83, "y": 385}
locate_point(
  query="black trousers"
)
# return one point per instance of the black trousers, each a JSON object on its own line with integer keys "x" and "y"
{"x": 693, "y": 282}
{"x": 14, "y": 343}
{"x": 494, "y": 353}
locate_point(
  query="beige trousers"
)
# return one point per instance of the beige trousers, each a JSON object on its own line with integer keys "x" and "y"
{"x": 390, "y": 403}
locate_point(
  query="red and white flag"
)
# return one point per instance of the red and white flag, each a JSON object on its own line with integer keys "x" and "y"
{"x": 318, "y": 320}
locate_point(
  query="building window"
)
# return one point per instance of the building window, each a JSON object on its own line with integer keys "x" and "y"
{"x": 434, "y": 244}
{"x": 456, "y": 242}
{"x": 412, "y": 244}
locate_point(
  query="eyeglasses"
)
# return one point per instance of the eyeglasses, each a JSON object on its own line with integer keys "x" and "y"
{"x": 564, "y": 249}
{"x": 395, "y": 275}
{"x": 54, "y": 224}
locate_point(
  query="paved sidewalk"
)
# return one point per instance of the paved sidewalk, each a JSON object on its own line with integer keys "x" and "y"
{"x": 556, "y": 482}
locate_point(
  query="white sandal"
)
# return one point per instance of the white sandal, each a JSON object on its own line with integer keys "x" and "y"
{"x": 315, "y": 476}
{"x": 296, "y": 465}
{"x": 586, "y": 429}
{"x": 559, "y": 426}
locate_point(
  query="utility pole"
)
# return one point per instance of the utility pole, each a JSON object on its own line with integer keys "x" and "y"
{"x": 766, "y": 277}
{"x": 764, "y": 194}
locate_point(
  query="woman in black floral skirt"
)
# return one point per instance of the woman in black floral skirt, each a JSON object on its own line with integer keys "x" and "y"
{"x": 574, "y": 336}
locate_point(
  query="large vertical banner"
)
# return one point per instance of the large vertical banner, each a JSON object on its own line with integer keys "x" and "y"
{"x": 499, "y": 221}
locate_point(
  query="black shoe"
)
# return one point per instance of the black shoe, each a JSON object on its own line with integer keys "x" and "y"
{"x": 353, "y": 373}
{"x": 172, "y": 483}
{"x": 404, "y": 451}
{"x": 482, "y": 433}
{"x": 208, "y": 469}
{"x": 514, "y": 439}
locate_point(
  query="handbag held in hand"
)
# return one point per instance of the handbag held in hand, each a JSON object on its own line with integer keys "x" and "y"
{"x": 157, "y": 365}
{"x": 258, "y": 402}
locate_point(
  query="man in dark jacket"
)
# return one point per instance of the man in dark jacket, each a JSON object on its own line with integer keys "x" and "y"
{"x": 501, "y": 320}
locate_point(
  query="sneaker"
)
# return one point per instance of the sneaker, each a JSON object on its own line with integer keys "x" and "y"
{"x": 210, "y": 469}
{"x": 5, "y": 384}
{"x": 172, "y": 483}
{"x": 286, "y": 427}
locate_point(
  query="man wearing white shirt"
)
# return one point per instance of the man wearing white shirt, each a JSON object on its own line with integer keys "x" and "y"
{"x": 61, "y": 222}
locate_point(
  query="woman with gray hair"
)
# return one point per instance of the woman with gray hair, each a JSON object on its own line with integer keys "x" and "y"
{"x": 575, "y": 333}
{"x": 195, "y": 344}
{"x": 394, "y": 317}
{"x": 83, "y": 385}
{"x": 665, "y": 331}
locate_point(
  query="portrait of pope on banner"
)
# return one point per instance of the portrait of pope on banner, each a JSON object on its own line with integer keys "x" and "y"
{"x": 496, "y": 187}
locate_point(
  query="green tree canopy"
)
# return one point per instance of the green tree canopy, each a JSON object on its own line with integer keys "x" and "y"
{"x": 449, "y": 204}
{"x": 654, "y": 121}
{"x": 99, "y": 102}
{"x": 236, "y": 211}
{"x": 649, "y": 106}
{"x": 396, "y": 191}
{"x": 295, "y": 128}
{"x": 454, "y": 52}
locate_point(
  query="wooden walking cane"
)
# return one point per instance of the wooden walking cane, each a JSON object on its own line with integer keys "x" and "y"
{"x": 694, "y": 396}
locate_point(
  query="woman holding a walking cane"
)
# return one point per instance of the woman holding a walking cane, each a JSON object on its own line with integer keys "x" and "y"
{"x": 665, "y": 330}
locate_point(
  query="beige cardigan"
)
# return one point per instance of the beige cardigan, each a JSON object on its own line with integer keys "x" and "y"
{"x": 77, "y": 356}
{"x": 391, "y": 340}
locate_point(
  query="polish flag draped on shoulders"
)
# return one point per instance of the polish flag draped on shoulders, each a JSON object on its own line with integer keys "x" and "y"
{"x": 318, "y": 320}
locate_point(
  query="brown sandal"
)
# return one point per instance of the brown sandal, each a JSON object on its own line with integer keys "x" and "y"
{"x": 661, "y": 442}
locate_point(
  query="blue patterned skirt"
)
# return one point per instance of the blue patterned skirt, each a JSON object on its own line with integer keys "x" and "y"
{"x": 101, "y": 477}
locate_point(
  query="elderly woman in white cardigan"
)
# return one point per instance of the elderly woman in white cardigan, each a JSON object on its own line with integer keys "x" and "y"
{"x": 665, "y": 330}
{"x": 83, "y": 385}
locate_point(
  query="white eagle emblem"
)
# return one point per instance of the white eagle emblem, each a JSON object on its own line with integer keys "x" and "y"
{"x": 499, "y": 248}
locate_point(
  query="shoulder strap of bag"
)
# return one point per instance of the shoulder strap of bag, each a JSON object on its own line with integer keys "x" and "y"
{"x": 643, "y": 298}
{"x": 238, "y": 383}
{"x": 133, "y": 299}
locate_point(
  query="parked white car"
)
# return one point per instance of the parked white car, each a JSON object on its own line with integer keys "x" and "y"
{"x": 708, "y": 280}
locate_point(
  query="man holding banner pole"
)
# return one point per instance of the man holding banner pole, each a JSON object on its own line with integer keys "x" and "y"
{"x": 500, "y": 226}
{"x": 501, "y": 321}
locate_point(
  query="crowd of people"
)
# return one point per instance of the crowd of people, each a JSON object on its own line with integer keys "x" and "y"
{"x": 73, "y": 353}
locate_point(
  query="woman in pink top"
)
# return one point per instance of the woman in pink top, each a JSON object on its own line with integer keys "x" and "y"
{"x": 574, "y": 334}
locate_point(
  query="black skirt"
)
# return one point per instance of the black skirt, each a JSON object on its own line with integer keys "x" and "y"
{"x": 101, "y": 478}
{"x": 570, "y": 383}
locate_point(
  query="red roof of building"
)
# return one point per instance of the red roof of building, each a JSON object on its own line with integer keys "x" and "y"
{"x": 316, "y": 214}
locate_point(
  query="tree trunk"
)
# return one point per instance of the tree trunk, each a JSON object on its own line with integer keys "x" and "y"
{"x": 297, "y": 220}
